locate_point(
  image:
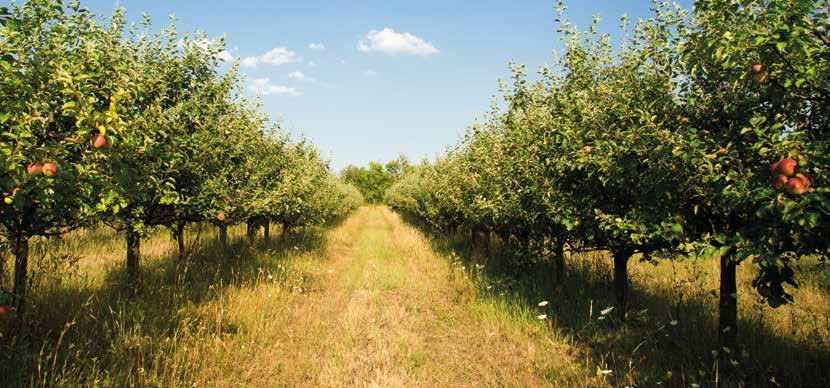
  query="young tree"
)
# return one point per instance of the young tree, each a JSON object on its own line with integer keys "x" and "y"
{"x": 64, "y": 97}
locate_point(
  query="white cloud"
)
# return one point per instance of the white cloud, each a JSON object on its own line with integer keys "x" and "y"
{"x": 225, "y": 56}
{"x": 207, "y": 44}
{"x": 317, "y": 46}
{"x": 370, "y": 73}
{"x": 277, "y": 56}
{"x": 388, "y": 41}
{"x": 312, "y": 64}
{"x": 298, "y": 75}
{"x": 263, "y": 86}
{"x": 249, "y": 61}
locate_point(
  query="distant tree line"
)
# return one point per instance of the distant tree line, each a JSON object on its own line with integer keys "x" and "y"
{"x": 374, "y": 179}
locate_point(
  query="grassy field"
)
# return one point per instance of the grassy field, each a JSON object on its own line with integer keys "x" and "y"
{"x": 373, "y": 301}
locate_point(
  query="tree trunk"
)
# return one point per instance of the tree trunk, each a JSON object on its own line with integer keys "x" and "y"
{"x": 252, "y": 230}
{"x": 728, "y": 307}
{"x": 179, "y": 233}
{"x": 621, "y": 281}
{"x": 559, "y": 261}
{"x": 223, "y": 235}
{"x": 266, "y": 229}
{"x": 20, "y": 247}
{"x": 133, "y": 259}
{"x": 2, "y": 267}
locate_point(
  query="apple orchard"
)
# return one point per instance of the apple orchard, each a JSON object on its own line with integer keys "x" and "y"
{"x": 705, "y": 134}
{"x": 108, "y": 124}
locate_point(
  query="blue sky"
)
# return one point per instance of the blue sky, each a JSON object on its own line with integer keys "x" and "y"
{"x": 369, "y": 80}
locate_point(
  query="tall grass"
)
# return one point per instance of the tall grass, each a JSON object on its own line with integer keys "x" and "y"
{"x": 83, "y": 328}
{"x": 670, "y": 338}
{"x": 376, "y": 301}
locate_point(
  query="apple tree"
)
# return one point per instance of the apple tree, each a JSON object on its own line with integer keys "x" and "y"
{"x": 64, "y": 97}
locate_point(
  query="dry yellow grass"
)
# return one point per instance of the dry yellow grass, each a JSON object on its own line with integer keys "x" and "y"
{"x": 366, "y": 303}
{"x": 373, "y": 301}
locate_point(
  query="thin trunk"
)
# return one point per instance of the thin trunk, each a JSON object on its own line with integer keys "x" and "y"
{"x": 621, "y": 281}
{"x": 252, "y": 229}
{"x": 20, "y": 247}
{"x": 266, "y": 229}
{"x": 559, "y": 260}
{"x": 179, "y": 232}
{"x": 223, "y": 235}
{"x": 2, "y": 267}
{"x": 133, "y": 259}
{"x": 728, "y": 307}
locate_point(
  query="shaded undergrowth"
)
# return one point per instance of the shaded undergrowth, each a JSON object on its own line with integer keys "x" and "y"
{"x": 670, "y": 336}
{"x": 83, "y": 326}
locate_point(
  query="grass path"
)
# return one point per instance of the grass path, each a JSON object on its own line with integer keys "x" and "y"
{"x": 383, "y": 310}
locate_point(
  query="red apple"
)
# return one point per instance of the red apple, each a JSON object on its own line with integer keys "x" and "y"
{"x": 796, "y": 186}
{"x": 787, "y": 167}
{"x": 99, "y": 141}
{"x": 807, "y": 181}
{"x": 220, "y": 216}
{"x": 757, "y": 67}
{"x": 50, "y": 168}
{"x": 780, "y": 181}
{"x": 774, "y": 169}
{"x": 35, "y": 168}
{"x": 5, "y": 310}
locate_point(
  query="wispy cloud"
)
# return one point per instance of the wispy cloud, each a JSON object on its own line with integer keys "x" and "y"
{"x": 279, "y": 56}
{"x": 276, "y": 56}
{"x": 391, "y": 42}
{"x": 370, "y": 73}
{"x": 317, "y": 46}
{"x": 263, "y": 86}
{"x": 300, "y": 76}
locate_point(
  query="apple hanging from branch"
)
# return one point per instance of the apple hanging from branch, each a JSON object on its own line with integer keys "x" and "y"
{"x": 99, "y": 141}
{"x": 34, "y": 168}
{"x": 50, "y": 168}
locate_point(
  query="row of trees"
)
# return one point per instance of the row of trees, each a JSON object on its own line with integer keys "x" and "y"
{"x": 112, "y": 123}
{"x": 663, "y": 146}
